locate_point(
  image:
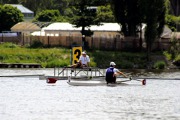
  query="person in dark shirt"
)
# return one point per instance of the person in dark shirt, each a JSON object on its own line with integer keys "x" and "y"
{"x": 112, "y": 72}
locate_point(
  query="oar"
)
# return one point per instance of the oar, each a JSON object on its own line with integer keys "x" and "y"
{"x": 143, "y": 81}
{"x": 22, "y": 75}
{"x": 156, "y": 78}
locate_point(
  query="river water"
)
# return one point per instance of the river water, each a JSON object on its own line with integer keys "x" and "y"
{"x": 28, "y": 98}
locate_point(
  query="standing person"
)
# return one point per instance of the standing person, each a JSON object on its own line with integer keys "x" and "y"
{"x": 112, "y": 72}
{"x": 84, "y": 61}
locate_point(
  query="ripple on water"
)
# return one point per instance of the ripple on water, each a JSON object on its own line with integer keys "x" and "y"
{"x": 32, "y": 99}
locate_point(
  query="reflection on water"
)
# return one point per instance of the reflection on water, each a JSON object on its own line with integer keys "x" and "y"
{"x": 28, "y": 98}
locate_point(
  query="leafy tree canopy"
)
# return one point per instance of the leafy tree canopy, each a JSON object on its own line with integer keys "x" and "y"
{"x": 154, "y": 17}
{"x": 127, "y": 13}
{"x": 84, "y": 15}
{"x": 49, "y": 16}
{"x": 105, "y": 14}
{"x": 9, "y": 16}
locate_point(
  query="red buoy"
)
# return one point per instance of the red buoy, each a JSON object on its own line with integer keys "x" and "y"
{"x": 144, "y": 82}
{"x": 51, "y": 80}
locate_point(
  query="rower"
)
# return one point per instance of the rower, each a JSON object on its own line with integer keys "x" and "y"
{"x": 112, "y": 72}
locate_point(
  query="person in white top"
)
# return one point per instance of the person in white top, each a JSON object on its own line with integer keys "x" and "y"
{"x": 84, "y": 61}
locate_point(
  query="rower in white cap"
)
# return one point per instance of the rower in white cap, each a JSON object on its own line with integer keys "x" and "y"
{"x": 112, "y": 72}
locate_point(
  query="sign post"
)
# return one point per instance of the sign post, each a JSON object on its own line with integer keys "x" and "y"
{"x": 76, "y": 53}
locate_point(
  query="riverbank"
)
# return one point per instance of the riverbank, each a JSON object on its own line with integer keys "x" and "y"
{"x": 60, "y": 57}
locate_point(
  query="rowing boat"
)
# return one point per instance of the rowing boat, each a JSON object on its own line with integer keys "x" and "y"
{"x": 95, "y": 82}
{"x": 92, "y": 83}
{"x": 86, "y": 77}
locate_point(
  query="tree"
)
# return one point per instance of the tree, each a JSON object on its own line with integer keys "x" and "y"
{"x": 127, "y": 13}
{"x": 131, "y": 13}
{"x": 105, "y": 14}
{"x": 9, "y": 1}
{"x": 48, "y": 16}
{"x": 101, "y": 2}
{"x": 39, "y": 5}
{"x": 154, "y": 17}
{"x": 172, "y": 22}
{"x": 9, "y": 16}
{"x": 62, "y": 6}
{"x": 84, "y": 16}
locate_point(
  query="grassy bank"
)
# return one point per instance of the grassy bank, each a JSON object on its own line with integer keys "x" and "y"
{"x": 60, "y": 57}
{"x": 123, "y": 60}
{"x": 49, "y": 57}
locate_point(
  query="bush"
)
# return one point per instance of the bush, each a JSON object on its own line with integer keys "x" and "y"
{"x": 177, "y": 61}
{"x": 159, "y": 65}
{"x": 175, "y": 47}
{"x": 125, "y": 64}
{"x": 8, "y": 45}
{"x": 36, "y": 44}
{"x": 167, "y": 54}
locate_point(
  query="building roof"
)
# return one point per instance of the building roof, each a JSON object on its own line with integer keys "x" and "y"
{"x": 106, "y": 27}
{"x": 166, "y": 32}
{"x": 25, "y": 26}
{"x": 70, "y": 27}
{"x": 22, "y": 8}
{"x": 61, "y": 26}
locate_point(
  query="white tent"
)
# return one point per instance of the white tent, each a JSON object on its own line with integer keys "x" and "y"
{"x": 68, "y": 26}
{"x": 58, "y": 28}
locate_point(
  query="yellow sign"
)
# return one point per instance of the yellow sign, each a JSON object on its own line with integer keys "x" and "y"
{"x": 76, "y": 53}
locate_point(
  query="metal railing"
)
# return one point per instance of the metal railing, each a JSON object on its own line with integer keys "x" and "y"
{"x": 87, "y": 71}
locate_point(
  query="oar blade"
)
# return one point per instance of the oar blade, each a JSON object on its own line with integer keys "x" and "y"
{"x": 51, "y": 80}
{"x": 144, "y": 82}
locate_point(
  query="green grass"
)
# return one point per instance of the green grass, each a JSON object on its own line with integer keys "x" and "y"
{"x": 60, "y": 57}
{"x": 122, "y": 59}
{"x": 49, "y": 57}
{"x": 159, "y": 65}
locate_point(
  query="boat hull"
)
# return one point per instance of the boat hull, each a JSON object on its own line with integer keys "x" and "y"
{"x": 95, "y": 82}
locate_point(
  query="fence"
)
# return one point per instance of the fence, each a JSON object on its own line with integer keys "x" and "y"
{"x": 103, "y": 43}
